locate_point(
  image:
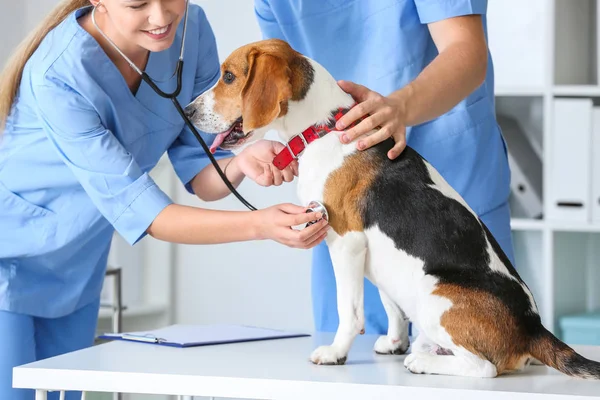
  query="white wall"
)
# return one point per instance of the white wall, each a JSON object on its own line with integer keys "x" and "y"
{"x": 17, "y": 18}
{"x": 37, "y": 10}
{"x": 12, "y": 30}
{"x": 260, "y": 283}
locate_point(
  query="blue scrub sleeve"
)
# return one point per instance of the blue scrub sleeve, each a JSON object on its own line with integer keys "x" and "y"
{"x": 187, "y": 155}
{"x": 125, "y": 195}
{"x": 436, "y": 10}
{"x": 267, "y": 21}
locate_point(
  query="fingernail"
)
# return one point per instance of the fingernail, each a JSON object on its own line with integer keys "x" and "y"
{"x": 345, "y": 138}
{"x": 361, "y": 145}
{"x": 339, "y": 125}
{"x": 319, "y": 215}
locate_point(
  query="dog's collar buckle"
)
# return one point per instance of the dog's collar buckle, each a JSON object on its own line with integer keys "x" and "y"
{"x": 304, "y": 142}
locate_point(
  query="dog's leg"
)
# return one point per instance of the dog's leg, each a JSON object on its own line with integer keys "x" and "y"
{"x": 396, "y": 341}
{"x": 462, "y": 363}
{"x": 348, "y": 255}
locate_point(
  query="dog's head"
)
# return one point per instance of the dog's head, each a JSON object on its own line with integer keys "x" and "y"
{"x": 257, "y": 82}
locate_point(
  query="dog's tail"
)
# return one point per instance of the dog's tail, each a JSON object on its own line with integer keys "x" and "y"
{"x": 556, "y": 354}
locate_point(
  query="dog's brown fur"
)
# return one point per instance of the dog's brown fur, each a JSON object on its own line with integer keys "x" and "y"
{"x": 266, "y": 78}
{"x": 476, "y": 308}
{"x": 344, "y": 192}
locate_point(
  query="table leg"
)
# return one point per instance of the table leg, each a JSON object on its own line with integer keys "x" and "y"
{"x": 62, "y": 395}
{"x": 41, "y": 395}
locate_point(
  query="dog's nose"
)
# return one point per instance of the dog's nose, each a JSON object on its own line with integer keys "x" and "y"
{"x": 189, "y": 112}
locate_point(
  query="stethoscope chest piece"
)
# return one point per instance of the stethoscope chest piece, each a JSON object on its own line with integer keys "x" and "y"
{"x": 315, "y": 206}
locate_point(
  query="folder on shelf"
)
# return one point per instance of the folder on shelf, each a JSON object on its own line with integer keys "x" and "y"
{"x": 525, "y": 167}
{"x": 570, "y": 160}
{"x": 201, "y": 335}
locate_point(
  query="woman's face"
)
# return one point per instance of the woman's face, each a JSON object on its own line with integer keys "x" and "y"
{"x": 149, "y": 24}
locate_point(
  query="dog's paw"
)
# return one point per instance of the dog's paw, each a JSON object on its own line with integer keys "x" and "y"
{"x": 387, "y": 345}
{"x": 418, "y": 363}
{"x": 328, "y": 355}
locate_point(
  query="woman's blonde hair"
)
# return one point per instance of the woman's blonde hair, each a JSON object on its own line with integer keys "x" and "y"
{"x": 10, "y": 79}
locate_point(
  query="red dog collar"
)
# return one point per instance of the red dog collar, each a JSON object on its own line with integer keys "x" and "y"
{"x": 298, "y": 143}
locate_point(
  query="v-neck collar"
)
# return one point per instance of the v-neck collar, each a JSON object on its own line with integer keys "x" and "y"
{"x": 160, "y": 67}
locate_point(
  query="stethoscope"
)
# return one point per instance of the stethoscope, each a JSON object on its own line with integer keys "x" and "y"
{"x": 313, "y": 206}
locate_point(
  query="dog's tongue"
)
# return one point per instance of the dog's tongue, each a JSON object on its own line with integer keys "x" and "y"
{"x": 217, "y": 142}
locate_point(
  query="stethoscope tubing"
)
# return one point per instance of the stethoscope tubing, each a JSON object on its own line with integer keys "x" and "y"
{"x": 173, "y": 97}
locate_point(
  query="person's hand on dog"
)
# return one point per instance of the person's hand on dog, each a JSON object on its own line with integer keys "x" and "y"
{"x": 276, "y": 223}
{"x": 256, "y": 162}
{"x": 385, "y": 113}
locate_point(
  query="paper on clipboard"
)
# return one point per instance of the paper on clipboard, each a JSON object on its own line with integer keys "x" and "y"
{"x": 181, "y": 335}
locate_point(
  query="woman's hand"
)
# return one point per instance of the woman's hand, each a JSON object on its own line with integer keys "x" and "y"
{"x": 388, "y": 114}
{"x": 190, "y": 225}
{"x": 276, "y": 223}
{"x": 256, "y": 162}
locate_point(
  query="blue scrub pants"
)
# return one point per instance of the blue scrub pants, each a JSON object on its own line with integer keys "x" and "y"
{"x": 324, "y": 289}
{"x": 24, "y": 339}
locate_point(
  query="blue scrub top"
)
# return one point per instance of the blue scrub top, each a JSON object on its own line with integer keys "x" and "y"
{"x": 74, "y": 162}
{"x": 385, "y": 44}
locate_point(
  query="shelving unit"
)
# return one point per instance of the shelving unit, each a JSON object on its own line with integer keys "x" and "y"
{"x": 548, "y": 50}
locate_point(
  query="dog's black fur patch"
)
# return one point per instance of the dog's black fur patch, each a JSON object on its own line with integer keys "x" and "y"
{"x": 439, "y": 230}
{"x": 308, "y": 72}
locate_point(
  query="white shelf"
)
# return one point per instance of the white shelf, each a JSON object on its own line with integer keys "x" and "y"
{"x": 576, "y": 90}
{"x": 524, "y": 224}
{"x": 515, "y": 91}
{"x": 561, "y": 226}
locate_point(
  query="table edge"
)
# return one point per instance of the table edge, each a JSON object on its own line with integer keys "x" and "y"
{"x": 249, "y": 388}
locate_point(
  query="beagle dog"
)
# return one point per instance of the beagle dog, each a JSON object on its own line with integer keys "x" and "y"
{"x": 396, "y": 222}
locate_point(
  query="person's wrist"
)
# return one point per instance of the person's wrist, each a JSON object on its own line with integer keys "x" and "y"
{"x": 232, "y": 170}
{"x": 402, "y": 98}
{"x": 256, "y": 227}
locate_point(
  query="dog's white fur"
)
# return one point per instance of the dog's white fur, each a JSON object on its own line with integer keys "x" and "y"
{"x": 405, "y": 291}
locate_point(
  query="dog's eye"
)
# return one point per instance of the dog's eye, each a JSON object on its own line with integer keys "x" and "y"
{"x": 228, "y": 77}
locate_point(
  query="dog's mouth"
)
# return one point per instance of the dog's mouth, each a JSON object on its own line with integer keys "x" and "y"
{"x": 231, "y": 137}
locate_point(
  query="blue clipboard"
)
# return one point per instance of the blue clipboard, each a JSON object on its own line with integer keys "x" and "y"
{"x": 180, "y": 335}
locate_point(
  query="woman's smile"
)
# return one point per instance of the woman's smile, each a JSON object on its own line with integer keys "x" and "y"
{"x": 160, "y": 33}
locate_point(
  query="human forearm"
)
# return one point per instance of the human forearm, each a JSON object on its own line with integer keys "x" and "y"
{"x": 459, "y": 68}
{"x": 209, "y": 186}
{"x": 190, "y": 225}
{"x": 450, "y": 77}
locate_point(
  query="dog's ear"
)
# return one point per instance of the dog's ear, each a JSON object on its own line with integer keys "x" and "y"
{"x": 267, "y": 88}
